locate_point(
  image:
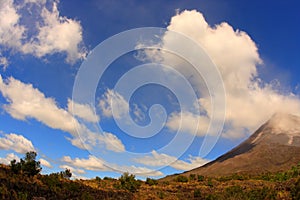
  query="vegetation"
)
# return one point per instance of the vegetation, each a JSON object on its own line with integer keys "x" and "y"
{"x": 22, "y": 180}
{"x": 128, "y": 182}
{"x": 27, "y": 166}
{"x": 182, "y": 179}
{"x": 151, "y": 181}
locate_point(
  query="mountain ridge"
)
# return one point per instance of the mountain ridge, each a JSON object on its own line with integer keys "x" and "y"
{"x": 275, "y": 146}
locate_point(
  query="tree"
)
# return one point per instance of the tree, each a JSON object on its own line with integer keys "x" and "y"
{"x": 66, "y": 174}
{"x": 28, "y": 166}
{"x": 15, "y": 166}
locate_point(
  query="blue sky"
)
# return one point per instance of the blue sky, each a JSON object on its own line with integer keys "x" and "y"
{"x": 44, "y": 44}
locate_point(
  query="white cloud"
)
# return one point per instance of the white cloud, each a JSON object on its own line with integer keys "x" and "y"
{"x": 72, "y": 169}
{"x": 25, "y": 102}
{"x": 95, "y": 164}
{"x": 17, "y": 143}
{"x": 56, "y": 34}
{"x": 113, "y": 104}
{"x": 3, "y": 62}
{"x": 53, "y": 33}
{"x": 92, "y": 163}
{"x": 11, "y": 32}
{"x": 157, "y": 159}
{"x": 112, "y": 142}
{"x": 45, "y": 163}
{"x": 138, "y": 113}
{"x": 28, "y": 102}
{"x": 188, "y": 123}
{"x": 40, "y": 2}
{"x": 249, "y": 101}
{"x": 84, "y": 111}
{"x": 140, "y": 171}
{"x": 9, "y": 157}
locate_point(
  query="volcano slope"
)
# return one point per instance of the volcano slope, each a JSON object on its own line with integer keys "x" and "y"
{"x": 274, "y": 147}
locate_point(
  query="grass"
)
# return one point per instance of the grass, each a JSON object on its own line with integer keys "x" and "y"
{"x": 281, "y": 185}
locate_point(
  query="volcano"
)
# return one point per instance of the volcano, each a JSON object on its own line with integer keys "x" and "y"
{"x": 275, "y": 146}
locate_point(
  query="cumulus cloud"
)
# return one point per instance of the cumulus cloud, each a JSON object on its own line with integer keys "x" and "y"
{"x": 249, "y": 100}
{"x": 9, "y": 157}
{"x": 47, "y": 33}
{"x": 45, "y": 163}
{"x": 157, "y": 159}
{"x": 25, "y": 102}
{"x": 96, "y": 164}
{"x": 17, "y": 143}
{"x": 56, "y": 34}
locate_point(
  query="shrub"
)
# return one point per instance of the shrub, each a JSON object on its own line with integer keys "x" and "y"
{"x": 128, "y": 182}
{"x": 295, "y": 191}
{"x": 234, "y": 191}
{"x": 182, "y": 179}
{"x": 108, "y": 178}
{"x": 98, "y": 179}
{"x": 197, "y": 193}
{"x": 261, "y": 193}
{"x": 192, "y": 177}
{"x": 151, "y": 181}
{"x": 161, "y": 194}
{"x": 210, "y": 183}
{"x": 200, "y": 178}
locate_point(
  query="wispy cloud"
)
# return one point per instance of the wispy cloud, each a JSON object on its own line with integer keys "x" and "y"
{"x": 157, "y": 159}
{"x": 96, "y": 164}
{"x": 25, "y": 102}
{"x": 113, "y": 104}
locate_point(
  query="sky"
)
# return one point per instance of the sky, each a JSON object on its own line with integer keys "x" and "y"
{"x": 173, "y": 97}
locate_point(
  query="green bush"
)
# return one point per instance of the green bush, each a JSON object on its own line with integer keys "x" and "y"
{"x": 182, "y": 179}
{"x": 197, "y": 193}
{"x": 235, "y": 192}
{"x": 161, "y": 194}
{"x": 192, "y": 177}
{"x": 200, "y": 178}
{"x": 128, "y": 182}
{"x": 295, "y": 191}
{"x": 261, "y": 193}
{"x": 98, "y": 179}
{"x": 150, "y": 181}
{"x": 210, "y": 183}
{"x": 108, "y": 178}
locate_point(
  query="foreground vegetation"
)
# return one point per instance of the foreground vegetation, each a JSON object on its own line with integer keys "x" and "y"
{"x": 22, "y": 180}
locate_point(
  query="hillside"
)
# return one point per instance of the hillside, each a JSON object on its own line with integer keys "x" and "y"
{"x": 285, "y": 185}
{"x": 274, "y": 147}
{"x": 265, "y": 166}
